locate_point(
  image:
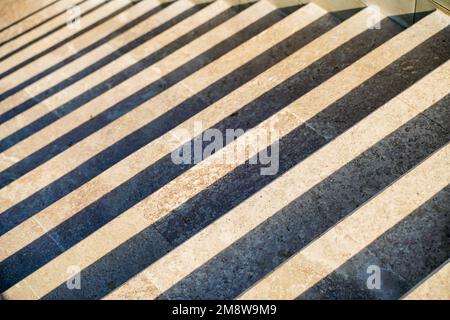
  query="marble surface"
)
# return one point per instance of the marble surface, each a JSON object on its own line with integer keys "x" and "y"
{"x": 360, "y": 115}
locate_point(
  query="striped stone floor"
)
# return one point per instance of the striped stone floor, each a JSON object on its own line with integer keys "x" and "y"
{"x": 334, "y": 183}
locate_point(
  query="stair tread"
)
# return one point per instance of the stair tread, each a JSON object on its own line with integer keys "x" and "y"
{"x": 357, "y": 114}
{"x": 120, "y": 63}
{"x": 153, "y": 73}
{"x": 36, "y": 21}
{"x": 435, "y": 287}
{"x": 164, "y": 150}
{"x": 92, "y": 11}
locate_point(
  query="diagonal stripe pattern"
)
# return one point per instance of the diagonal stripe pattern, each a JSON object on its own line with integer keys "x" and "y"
{"x": 329, "y": 175}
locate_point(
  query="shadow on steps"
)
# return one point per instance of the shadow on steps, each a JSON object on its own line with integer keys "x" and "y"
{"x": 49, "y": 92}
{"x": 83, "y": 97}
{"x": 406, "y": 254}
{"x": 61, "y": 43}
{"x": 289, "y": 230}
{"x": 35, "y": 26}
{"x": 130, "y": 258}
{"x": 215, "y": 201}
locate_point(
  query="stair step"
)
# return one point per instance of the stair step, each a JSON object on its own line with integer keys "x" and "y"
{"x": 295, "y": 276}
{"x": 109, "y": 52}
{"x": 17, "y": 38}
{"x": 356, "y": 112}
{"x": 435, "y": 287}
{"x": 126, "y": 66}
{"x": 220, "y": 110}
{"x": 164, "y": 102}
{"x": 322, "y": 257}
{"x": 153, "y": 50}
{"x": 40, "y": 19}
{"x": 28, "y": 60}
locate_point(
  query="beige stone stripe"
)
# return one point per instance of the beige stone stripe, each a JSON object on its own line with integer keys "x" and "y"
{"x": 201, "y": 176}
{"x": 435, "y": 287}
{"x": 181, "y": 261}
{"x": 355, "y": 232}
{"x": 62, "y": 52}
{"x": 114, "y": 67}
{"x": 148, "y": 111}
{"x": 34, "y": 20}
{"x": 68, "y": 206}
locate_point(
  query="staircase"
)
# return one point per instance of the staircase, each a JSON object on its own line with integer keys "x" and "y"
{"x": 350, "y": 105}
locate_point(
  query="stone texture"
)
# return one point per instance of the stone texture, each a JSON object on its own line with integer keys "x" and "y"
{"x": 132, "y": 120}
{"x": 434, "y": 287}
{"x": 151, "y": 86}
{"x": 108, "y": 58}
{"x": 355, "y": 233}
{"x": 360, "y": 116}
{"x": 64, "y": 209}
{"x": 82, "y": 52}
{"x": 34, "y": 25}
{"x": 36, "y": 47}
